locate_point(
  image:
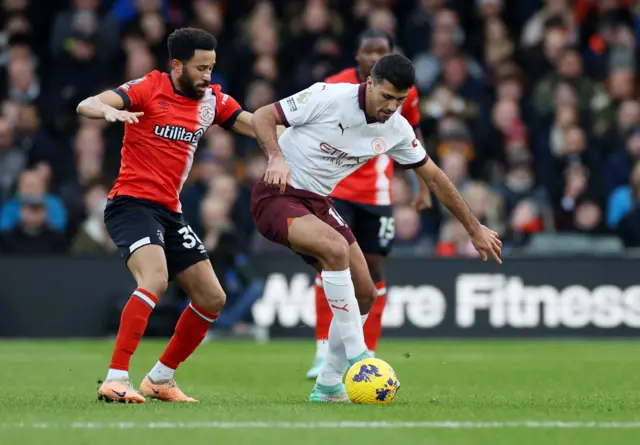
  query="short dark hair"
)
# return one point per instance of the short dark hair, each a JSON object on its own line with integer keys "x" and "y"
{"x": 184, "y": 42}
{"x": 372, "y": 33}
{"x": 554, "y": 22}
{"x": 395, "y": 69}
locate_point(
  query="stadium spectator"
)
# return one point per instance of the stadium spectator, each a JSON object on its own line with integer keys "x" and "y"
{"x": 454, "y": 241}
{"x": 537, "y": 98}
{"x": 534, "y": 30}
{"x": 32, "y": 233}
{"x": 32, "y": 188}
{"x": 409, "y": 237}
{"x": 204, "y": 171}
{"x": 92, "y": 237}
{"x": 87, "y": 166}
{"x": 619, "y": 164}
{"x": 12, "y": 159}
{"x": 629, "y": 226}
{"x": 232, "y": 265}
{"x": 253, "y": 171}
{"x": 520, "y": 184}
{"x": 526, "y": 220}
{"x": 24, "y": 85}
{"x": 540, "y": 59}
{"x": 446, "y": 43}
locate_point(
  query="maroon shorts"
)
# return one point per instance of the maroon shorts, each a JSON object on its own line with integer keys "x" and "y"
{"x": 273, "y": 212}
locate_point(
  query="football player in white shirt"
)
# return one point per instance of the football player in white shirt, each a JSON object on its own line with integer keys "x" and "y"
{"x": 334, "y": 129}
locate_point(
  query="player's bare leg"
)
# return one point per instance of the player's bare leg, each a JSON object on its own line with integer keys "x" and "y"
{"x": 373, "y": 326}
{"x": 149, "y": 268}
{"x": 349, "y": 291}
{"x": 207, "y": 299}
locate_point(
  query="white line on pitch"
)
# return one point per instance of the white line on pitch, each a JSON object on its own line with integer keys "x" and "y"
{"x": 456, "y": 425}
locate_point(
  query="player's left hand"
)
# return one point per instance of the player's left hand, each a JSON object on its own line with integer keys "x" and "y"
{"x": 277, "y": 174}
{"x": 487, "y": 244}
{"x": 422, "y": 201}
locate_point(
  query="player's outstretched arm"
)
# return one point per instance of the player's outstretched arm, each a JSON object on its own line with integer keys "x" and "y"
{"x": 264, "y": 122}
{"x": 244, "y": 127}
{"x": 422, "y": 199}
{"x": 484, "y": 239}
{"x": 106, "y": 105}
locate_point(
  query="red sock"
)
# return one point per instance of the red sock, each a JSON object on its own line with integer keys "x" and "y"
{"x": 323, "y": 311}
{"x": 190, "y": 330}
{"x": 373, "y": 325}
{"x": 133, "y": 323}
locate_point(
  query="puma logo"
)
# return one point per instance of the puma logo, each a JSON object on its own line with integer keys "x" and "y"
{"x": 342, "y": 128}
{"x": 343, "y": 308}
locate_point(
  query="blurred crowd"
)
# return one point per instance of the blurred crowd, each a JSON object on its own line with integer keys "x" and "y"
{"x": 529, "y": 106}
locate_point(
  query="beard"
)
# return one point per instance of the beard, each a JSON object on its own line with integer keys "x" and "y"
{"x": 188, "y": 88}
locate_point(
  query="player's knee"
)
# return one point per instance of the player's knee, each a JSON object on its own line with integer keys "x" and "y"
{"x": 335, "y": 254}
{"x": 211, "y": 300}
{"x": 155, "y": 281}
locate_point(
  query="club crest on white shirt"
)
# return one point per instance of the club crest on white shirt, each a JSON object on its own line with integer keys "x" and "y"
{"x": 303, "y": 98}
{"x": 379, "y": 146}
{"x": 206, "y": 114}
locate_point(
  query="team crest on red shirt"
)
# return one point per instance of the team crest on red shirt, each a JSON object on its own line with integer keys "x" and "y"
{"x": 378, "y": 146}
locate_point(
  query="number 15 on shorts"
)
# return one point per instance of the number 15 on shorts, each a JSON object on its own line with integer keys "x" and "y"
{"x": 387, "y": 229}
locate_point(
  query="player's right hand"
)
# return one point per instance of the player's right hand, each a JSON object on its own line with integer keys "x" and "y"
{"x": 277, "y": 174}
{"x": 487, "y": 244}
{"x": 122, "y": 116}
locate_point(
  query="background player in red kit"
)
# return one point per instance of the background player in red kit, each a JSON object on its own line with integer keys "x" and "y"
{"x": 363, "y": 199}
{"x": 166, "y": 115}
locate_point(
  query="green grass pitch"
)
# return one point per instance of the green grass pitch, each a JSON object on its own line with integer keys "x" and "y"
{"x": 453, "y": 392}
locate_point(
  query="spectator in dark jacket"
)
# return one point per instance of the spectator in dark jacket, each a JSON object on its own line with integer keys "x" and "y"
{"x": 629, "y": 226}
{"x": 619, "y": 164}
{"x": 32, "y": 235}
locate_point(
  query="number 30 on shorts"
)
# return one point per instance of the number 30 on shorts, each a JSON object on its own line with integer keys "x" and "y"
{"x": 387, "y": 228}
{"x": 190, "y": 237}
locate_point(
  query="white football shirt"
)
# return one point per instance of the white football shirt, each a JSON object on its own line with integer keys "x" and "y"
{"x": 329, "y": 136}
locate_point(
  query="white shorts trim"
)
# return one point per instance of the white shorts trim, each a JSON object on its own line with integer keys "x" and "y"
{"x": 138, "y": 244}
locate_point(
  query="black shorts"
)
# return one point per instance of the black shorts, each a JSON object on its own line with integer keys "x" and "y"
{"x": 133, "y": 223}
{"x": 373, "y": 226}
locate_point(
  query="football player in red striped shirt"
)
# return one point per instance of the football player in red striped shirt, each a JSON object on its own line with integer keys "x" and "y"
{"x": 363, "y": 199}
{"x": 165, "y": 115}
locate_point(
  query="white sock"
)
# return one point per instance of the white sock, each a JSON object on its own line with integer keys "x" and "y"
{"x": 161, "y": 373}
{"x": 117, "y": 374}
{"x": 341, "y": 296}
{"x": 336, "y": 359}
{"x": 322, "y": 347}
